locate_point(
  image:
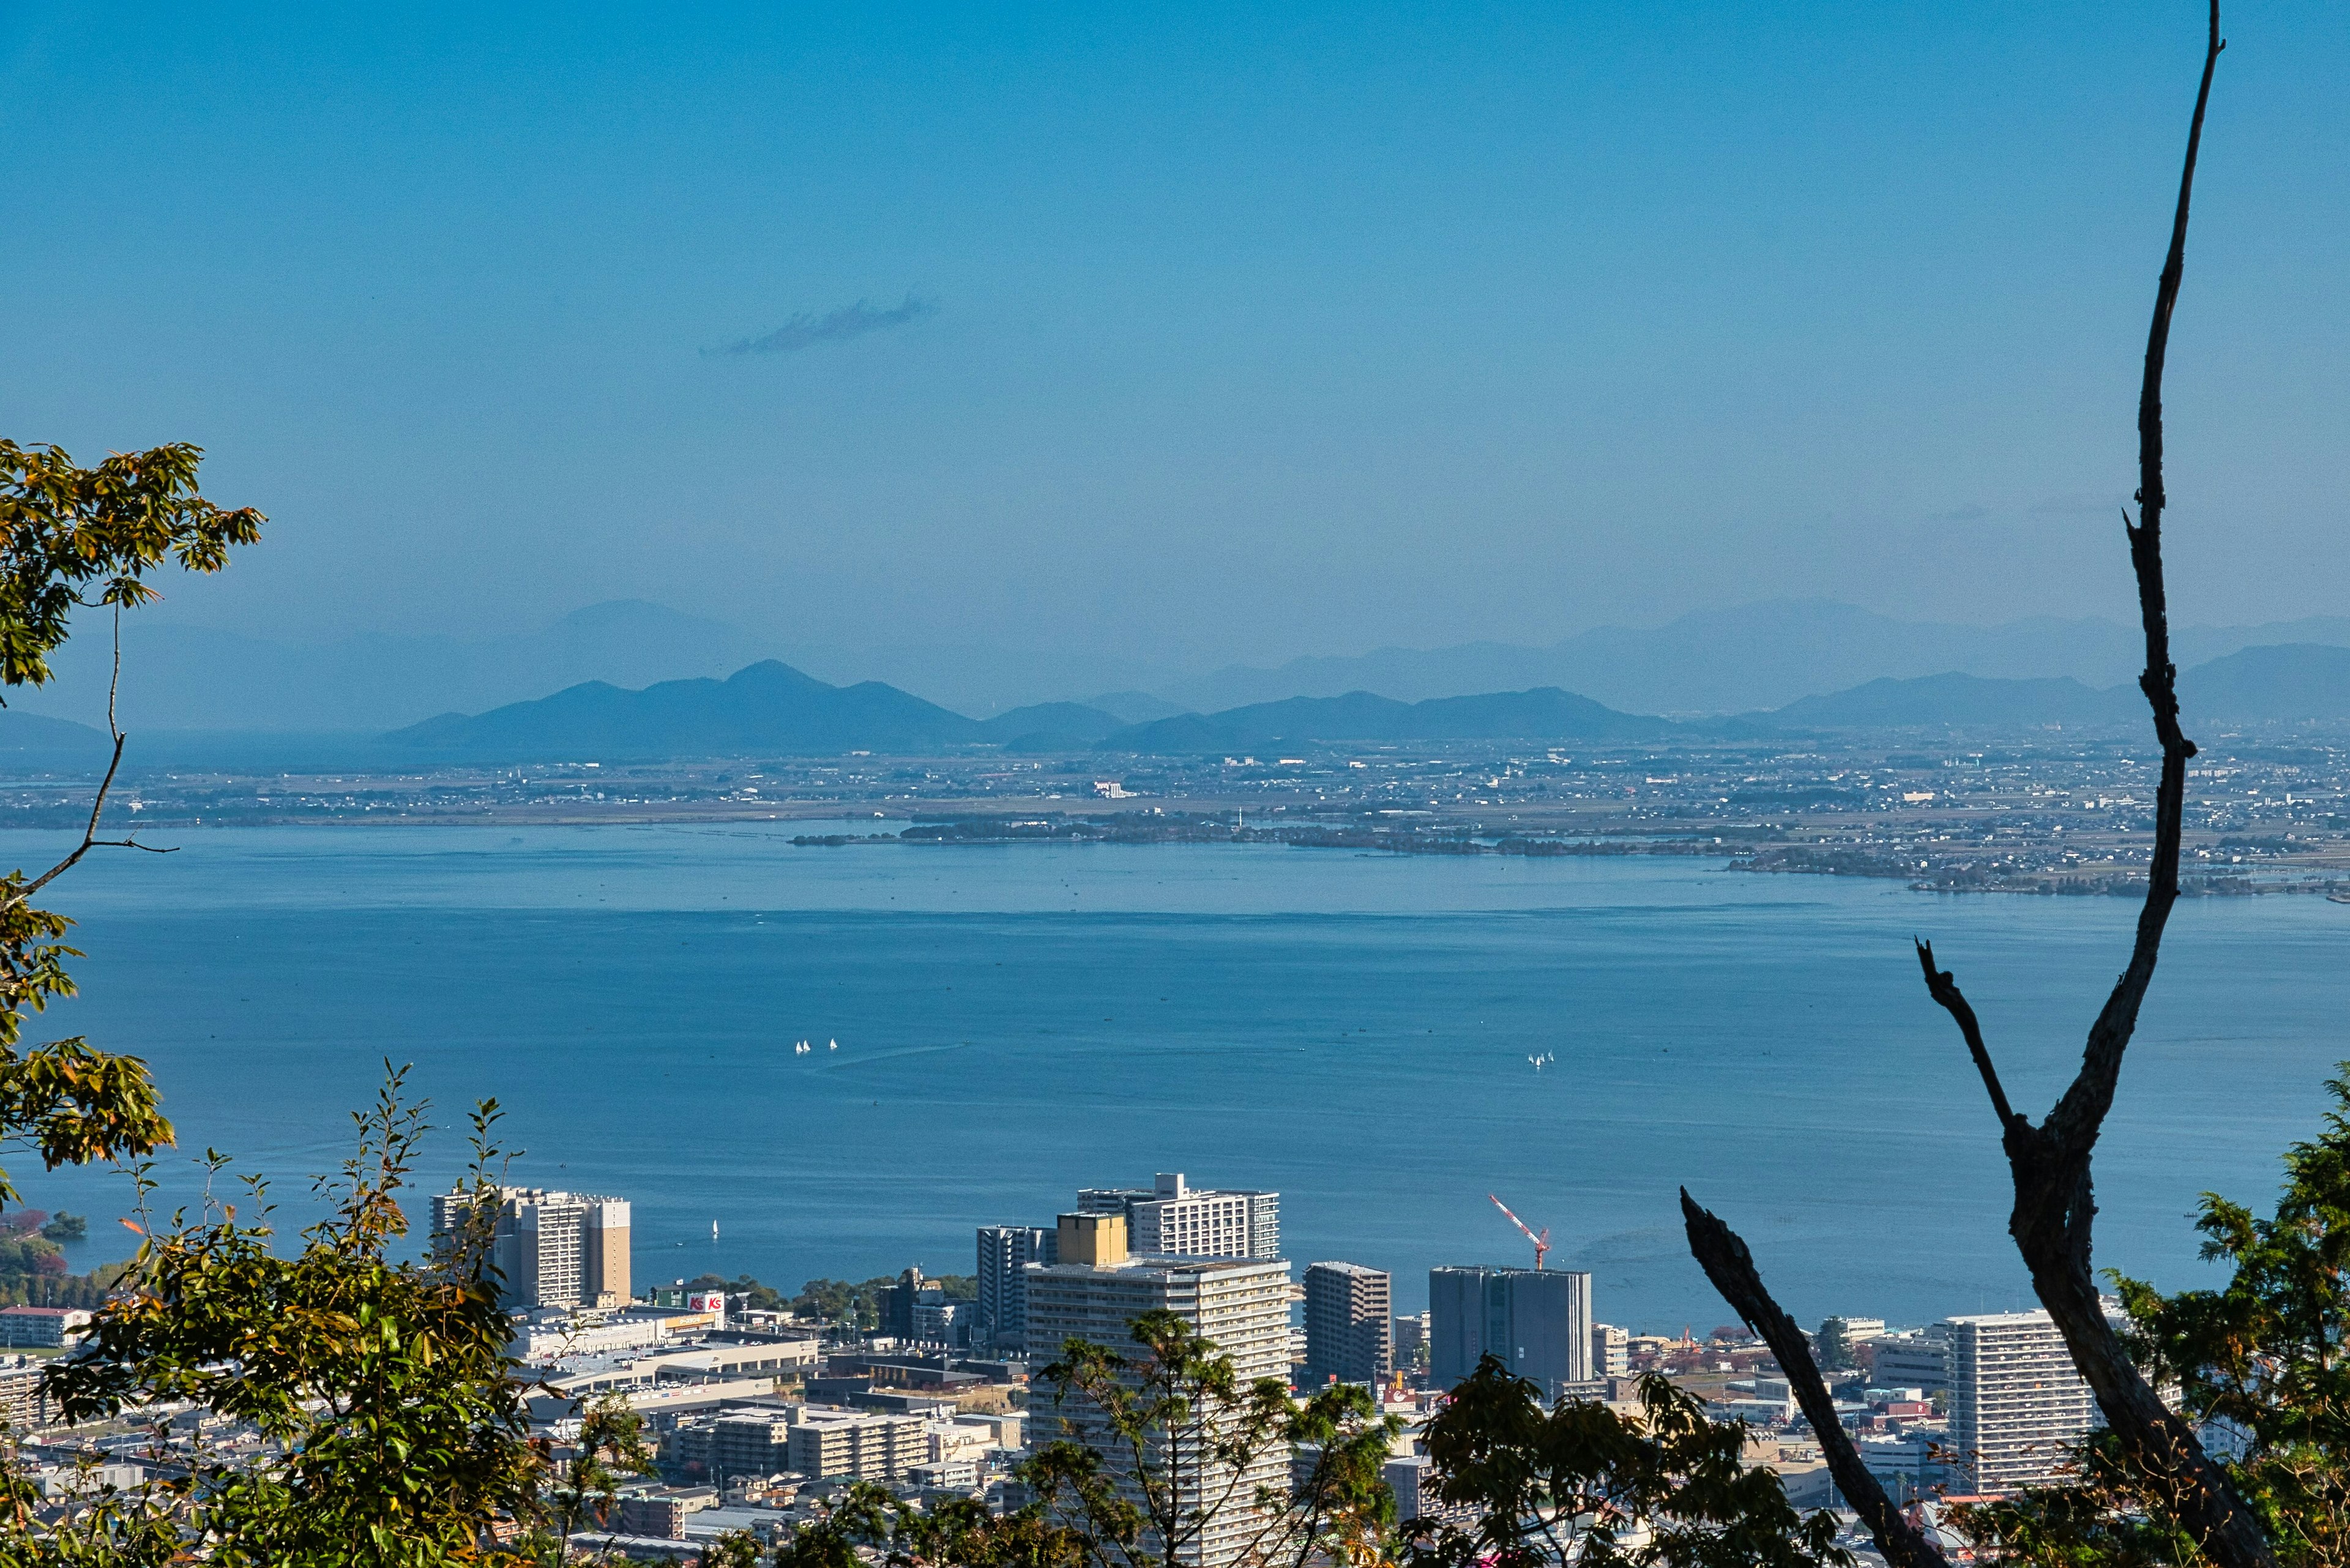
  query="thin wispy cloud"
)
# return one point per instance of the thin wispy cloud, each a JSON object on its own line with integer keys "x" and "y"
{"x": 807, "y": 329}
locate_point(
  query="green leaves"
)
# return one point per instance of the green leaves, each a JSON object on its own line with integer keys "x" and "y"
{"x": 1172, "y": 1445}
{"x": 2268, "y": 1356}
{"x": 1580, "y": 1482}
{"x": 76, "y": 1105}
{"x": 397, "y": 1430}
{"x": 63, "y": 527}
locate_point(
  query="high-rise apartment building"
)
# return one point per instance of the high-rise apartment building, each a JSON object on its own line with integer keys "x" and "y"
{"x": 2017, "y": 1405}
{"x": 1002, "y": 1302}
{"x": 1347, "y": 1323}
{"x": 1537, "y": 1321}
{"x": 1171, "y": 1219}
{"x": 552, "y": 1248}
{"x": 1611, "y": 1351}
{"x": 1241, "y": 1305}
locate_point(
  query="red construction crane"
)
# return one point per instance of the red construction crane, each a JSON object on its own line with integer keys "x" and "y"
{"x": 1542, "y": 1242}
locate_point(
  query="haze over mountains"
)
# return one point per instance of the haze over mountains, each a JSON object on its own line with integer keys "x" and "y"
{"x": 1836, "y": 665}
{"x": 771, "y": 709}
{"x": 1747, "y": 658}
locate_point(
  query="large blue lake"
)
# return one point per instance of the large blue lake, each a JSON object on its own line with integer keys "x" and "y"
{"x": 1352, "y": 1031}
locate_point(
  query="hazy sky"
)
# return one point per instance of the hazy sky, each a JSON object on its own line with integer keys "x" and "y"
{"x": 1215, "y": 332}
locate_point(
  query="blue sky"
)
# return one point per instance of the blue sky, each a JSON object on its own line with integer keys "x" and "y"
{"x": 1216, "y": 332}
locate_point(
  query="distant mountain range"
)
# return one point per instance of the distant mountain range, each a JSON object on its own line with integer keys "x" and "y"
{"x": 1753, "y": 658}
{"x": 771, "y": 708}
{"x": 1544, "y": 714}
{"x": 767, "y": 709}
{"x": 2294, "y": 682}
{"x": 196, "y": 678}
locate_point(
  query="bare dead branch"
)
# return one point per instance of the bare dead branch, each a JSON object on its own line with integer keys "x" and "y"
{"x": 2056, "y": 1205}
{"x": 1731, "y": 1267}
{"x": 1943, "y": 986}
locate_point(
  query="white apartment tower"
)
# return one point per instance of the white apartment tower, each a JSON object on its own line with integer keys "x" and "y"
{"x": 2017, "y": 1405}
{"x": 1239, "y": 1305}
{"x": 1172, "y": 1220}
{"x": 552, "y": 1248}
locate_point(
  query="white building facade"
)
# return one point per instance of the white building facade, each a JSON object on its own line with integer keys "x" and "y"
{"x": 1240, "y": 1305}
{"x": 1171, "y": 1218}
{"x": 2017, "y": 1405}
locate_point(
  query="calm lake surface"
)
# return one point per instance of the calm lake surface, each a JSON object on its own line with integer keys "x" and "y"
{"x": 1350, "y": 1030}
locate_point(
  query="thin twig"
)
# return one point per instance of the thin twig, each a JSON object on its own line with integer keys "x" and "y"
{"x": 90, "y": 839}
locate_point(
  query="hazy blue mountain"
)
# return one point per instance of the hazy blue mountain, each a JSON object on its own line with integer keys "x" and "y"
{"x": 196, "y": 678}
{"x": 1545, "y": 714}
{"x": 1745, "y": 659}
{"x": 30, "y": 741}
{"x": 767, "y": 709}
{"x": 1742, "y": 659}
{"x": 771, "y": 709}
{"x": 1959, "y": 701}
{"x": 1135, "y": 706}
{"x": 2295, "y": 681}
{"x": 1050, "y": 726}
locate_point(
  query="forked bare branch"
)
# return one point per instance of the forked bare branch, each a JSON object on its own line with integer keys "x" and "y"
{"x": 2056, "y": 1205}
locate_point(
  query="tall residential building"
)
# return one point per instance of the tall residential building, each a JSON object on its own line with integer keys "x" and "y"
{"x": 1611, "y": 1351}
{"x": 1347, "y": 1323}
{"x": 1241, "y": 1305}
{"x": 2017, "y": 1405}
{"x": 1172, "y": 1220}
{"x": 1537, "y": 1321}
{"x": 1003, "y": 1304}
{"x": 552, "y": 1248}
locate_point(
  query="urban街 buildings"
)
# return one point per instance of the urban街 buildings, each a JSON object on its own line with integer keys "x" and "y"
{"x": 1002, "y": 1314}
{"x": 1347, "y": 1323}
{"x": 1172, "y": 1220}
{"x": 552, "y": 1248}
{"x": 1537, "y": 1322}
{"x": 2017, "y": 1404}
{"x": 1240, "y": 1305}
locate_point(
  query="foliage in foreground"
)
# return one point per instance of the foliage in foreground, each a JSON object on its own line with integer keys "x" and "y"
{"x": 2262, "y": 1363}
{"x": 1524, "y": 1486}
{"x": 63, "y": 529}
{"x": 396, "y": 1430}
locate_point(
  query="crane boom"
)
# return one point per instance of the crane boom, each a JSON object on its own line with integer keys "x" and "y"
{"x": 1542, "y": 1242}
